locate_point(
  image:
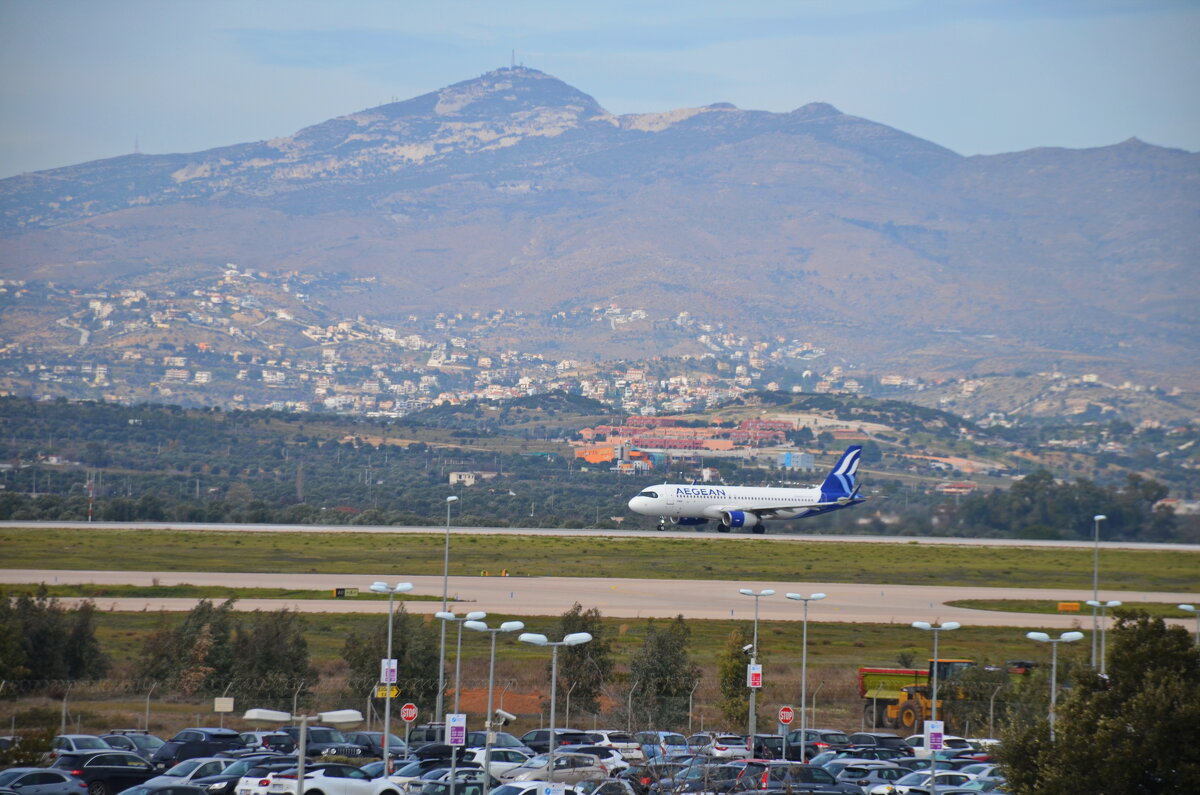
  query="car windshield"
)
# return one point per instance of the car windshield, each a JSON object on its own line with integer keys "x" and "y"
{"x": 325, "y": 736}
{"x": 183, "y": 768}
{"x": 239, "y": 768}
{"x": 411, "y": 769}
{"x": 8, "y": 775}
{"x": 146, "y": 741}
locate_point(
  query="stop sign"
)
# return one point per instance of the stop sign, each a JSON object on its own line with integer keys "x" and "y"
{"x": 408, "y": 712}
{"x": 785, "y": 715}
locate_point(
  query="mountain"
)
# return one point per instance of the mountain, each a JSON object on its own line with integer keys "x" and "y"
{"x": 516, "y": 190}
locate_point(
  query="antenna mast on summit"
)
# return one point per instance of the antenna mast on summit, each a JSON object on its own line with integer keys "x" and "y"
{"x": 513, "y": 63}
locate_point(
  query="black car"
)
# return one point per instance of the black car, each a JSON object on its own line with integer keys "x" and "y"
{"x": 426, "y": 734}
{"x": 792, "y": 777}
{"x": 816, "y": 741}
{"x": 880, "y": 740}
{"x": 324, "y": 741}
{"x": 40, "y": 781}
{"x": 139, "y": 742}
{"x": 539, "y": 739}
{"x": 225, "y": 782}
{"x": 371, "y": 744}
{"x": 106, "y": 772}
{"x": 191, "y": 743}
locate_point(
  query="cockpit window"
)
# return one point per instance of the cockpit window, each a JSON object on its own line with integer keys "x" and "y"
{"x": 652, "y": 495}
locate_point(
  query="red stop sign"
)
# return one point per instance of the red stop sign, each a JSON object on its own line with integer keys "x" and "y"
{"x": 786, "y": 714}
{"x": 408, "y": 712}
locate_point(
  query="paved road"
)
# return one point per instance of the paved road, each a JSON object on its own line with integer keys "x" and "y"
{"x": 620, "y": 598}
{"x": 729, "y": 537}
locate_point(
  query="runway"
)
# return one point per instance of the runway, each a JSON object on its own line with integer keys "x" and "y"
{"x": 620, "y": 598}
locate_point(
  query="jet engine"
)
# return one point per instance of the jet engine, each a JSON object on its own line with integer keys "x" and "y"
{"x": 738, "y": 519}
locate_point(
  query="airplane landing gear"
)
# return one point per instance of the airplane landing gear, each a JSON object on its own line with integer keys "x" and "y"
{"x": 662, "y": 523}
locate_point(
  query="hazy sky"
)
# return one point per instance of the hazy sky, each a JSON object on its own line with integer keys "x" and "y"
{"x": 86, "y": 79}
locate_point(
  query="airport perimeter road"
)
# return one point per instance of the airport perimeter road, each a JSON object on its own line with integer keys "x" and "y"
{"x": 773, "y": 534}
{"x": 620, "y": 598}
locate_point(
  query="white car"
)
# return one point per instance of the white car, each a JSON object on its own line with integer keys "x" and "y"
{"x": 624, "y": 742}
{"x": 530, "y": 788}
{"x": 331, "y": 779}
{"x": 920, "y": 778}
{"x": 502, "y": 759}
{"x": 726, "y": 746}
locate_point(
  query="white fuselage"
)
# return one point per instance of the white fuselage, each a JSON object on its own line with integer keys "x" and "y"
{"x": 677, "y": 500}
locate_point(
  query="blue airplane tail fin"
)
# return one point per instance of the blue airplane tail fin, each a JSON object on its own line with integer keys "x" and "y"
{"x": 842, "y": 481}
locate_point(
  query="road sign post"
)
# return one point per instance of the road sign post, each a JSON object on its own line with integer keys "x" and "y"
{"x": 408, "y": 714}
{"x": 786, "y": 715}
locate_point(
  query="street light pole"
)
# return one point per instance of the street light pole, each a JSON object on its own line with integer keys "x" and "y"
{"x": 933, "y": 705}
{"x": 804, "y": 671}
{"x": 753, "y": 718}
{"x": 479, "y": 626}
{"x": 335, "y": 717}
{"x": 1042, "y": 637}
{"x": 1192, "y": 609}
{"x": 1096, "y": 520}
{"x": 1103, "y": 626}
{"x": 445, "y": 616}
{"x": 574, "y": 639}
{"x": 445, "y": 598}
{"x": 383, "y": 587}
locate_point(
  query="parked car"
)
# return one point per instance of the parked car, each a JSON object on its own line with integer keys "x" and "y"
{"x": 191, "y": 743}
{"x": 817, "y": 741}
{"x": 75, "y": 743}
{"x": 106, "y": 772}
{"x": 371, "y": 744}
{"x": 642, "y": 776}
{"x": 539, "y": 739}
{"x": 478, "y": 739}
{"x": 502, "y": 759}
{"x": 920, "y": 778}
{"x": 605, "y": 786}
{"x": 40, "y": 781}
{"x": 720, "y": 746}
{"x": 794, "y": 777}
{"x": 720, "y": 778}
{"x": 324, "y": 741}
{"x": 274, "y": 741}
{"x": 771, "y": 746}
{"x": 568, "y": 769}
{"x": 189, "y": 769}
{"x": 866, "y": 775}
{"x": 437, "y": 781}
{"x": 225, "y": 781}
{"x": 624, "y": 742}
{"x": 138, "y": 741}
{"x": 610, "y": 758}
{"x": 257, "y": 779}
{"x": 949, "y": 742}
{"x": 163, "y": 789}
{"x": 880, "y": 740}
{"x": 414, "y": 770}
{"x": 660, "y": 743}
{"x": 331, "y": 779}
{"x": 426, "y": 734}
{"x": 528, "y": 788}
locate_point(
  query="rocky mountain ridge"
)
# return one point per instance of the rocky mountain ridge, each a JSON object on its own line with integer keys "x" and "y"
{"x": 516, "y": 190}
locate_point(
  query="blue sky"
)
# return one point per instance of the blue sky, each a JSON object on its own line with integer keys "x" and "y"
{"x": 86, "y": 79}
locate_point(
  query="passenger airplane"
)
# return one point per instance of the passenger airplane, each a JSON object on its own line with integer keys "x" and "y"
{"x": 750, "y": 506}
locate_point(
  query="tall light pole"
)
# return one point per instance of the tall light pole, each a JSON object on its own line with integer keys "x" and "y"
{"x": 1192, "y": 609}
{"x": 391, "y": 591}
{"x": 1042, "y": 637}
{"x": 945, "y": 626}
{"x": 804, "y": 670}
{"x": 445, "y": 616}
{"x": 1103, "y": 626}
{"x": 753, "y": 719}
{"x": 479, "y": 626}
{"x": 445, "y": 599}
{"x": 1096, "y": 520}
{"x": 574, "y": 639}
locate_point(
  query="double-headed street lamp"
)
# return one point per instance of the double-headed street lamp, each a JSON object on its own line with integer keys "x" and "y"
{"x": 574, "y": 639}
{"x": 1103, "y": 625}
{"x": 804, "y": 670}
{"x": 389, "y": 672}
{"x": 1096, "y": 520}
{"x": 1042, "y": 637}
{"x": 479, "y": 626}
{"x": 335, "y": 717}
{"x": 1192, "y": 609}
{"x": 753, "y": 719}
{"x": 445, "y": 598}
{"x": 445, "y": 616}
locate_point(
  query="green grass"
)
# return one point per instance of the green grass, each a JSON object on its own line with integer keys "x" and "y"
{"x": 1036, "y": 606}
{"x": 749, "y": 559}
{"x": 186, "y": 591}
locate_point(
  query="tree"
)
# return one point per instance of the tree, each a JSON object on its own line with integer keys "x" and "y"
{"x": 84, "y": 657}
{"x": 198, "y": 654}
{"x": 1133, "y": 731}
{"x": 415, "y": 648}
{"x": 583, "y": 670}
{"x": 665, "y": 674}
{"x": 271, "y": 660}
{"x": 731, "y": 676}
